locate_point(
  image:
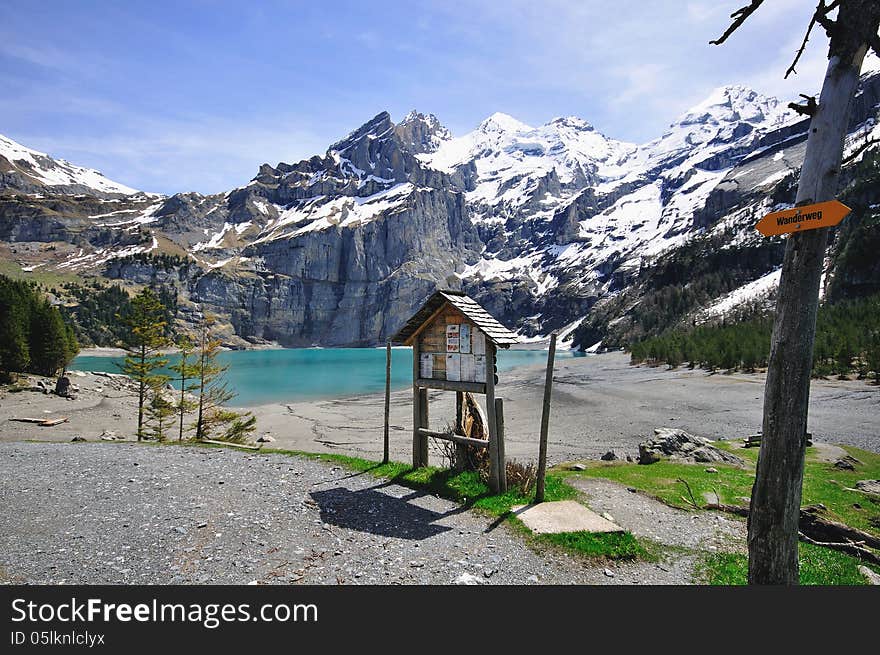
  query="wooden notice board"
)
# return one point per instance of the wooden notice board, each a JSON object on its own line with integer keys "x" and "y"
{"x": 452, "y": 348}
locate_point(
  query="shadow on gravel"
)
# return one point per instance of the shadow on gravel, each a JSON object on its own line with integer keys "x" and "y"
{"x": 371, "y": 511}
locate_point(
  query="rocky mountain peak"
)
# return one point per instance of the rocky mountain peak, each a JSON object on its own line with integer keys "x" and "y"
{"x": 572, "y": 122}
{"x": 421, "y": 133}
{"x": 31, "y": 171}
{"x": 500, "y": 122}
{"x": 377, "y": 127}
{"x": 734, "y": 104}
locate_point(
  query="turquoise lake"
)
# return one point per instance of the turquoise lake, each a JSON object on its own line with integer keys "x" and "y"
{"x": 260, "y": 377}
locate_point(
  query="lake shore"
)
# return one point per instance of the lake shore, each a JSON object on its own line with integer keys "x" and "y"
{"x": 599, "y": 403}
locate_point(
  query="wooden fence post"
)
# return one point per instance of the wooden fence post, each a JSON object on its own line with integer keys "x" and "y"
{"x": 461, "y": 450}
{"x": 499, "y": 428}
{"x": 387, "y": 398}
{"x": 545, "y": 421}
{"x": 494, "y": 473}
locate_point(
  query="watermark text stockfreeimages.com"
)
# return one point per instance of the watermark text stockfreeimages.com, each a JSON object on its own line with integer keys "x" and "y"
{"x": 209, "y": 615}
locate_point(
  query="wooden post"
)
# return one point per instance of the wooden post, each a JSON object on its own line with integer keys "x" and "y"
{"x": 776, "y": 493}
{"x": 423, "y": 417}
{"x": 387, "y": 398}
{"x": 545, "y": 421}
{"x": 502, "y": 462}
{"x": 494, "y": 462}
{"x": 417, "y": 416}
{"x": 461, "y": 449}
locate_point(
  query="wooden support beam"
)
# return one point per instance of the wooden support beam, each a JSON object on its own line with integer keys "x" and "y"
{"x": 455, "y": 438}
{"x": 423, "y": 414}
{"x": 387, "y": 399}
{"x": 460, "y": 448}
{"x": 494, "y": 477}
{"x": 417, "y": 417}
{"x": 447, "y": 385}
{"x": 545, "y": 421}
{"x": 502, "y": 461}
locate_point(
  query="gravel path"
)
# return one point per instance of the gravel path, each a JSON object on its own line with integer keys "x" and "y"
{"x": 125, "y": 514}
{"x": 646, "y": 517}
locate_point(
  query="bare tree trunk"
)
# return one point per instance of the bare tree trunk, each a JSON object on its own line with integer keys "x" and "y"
{"x": 776, "y": 494}
{"x": 142, "y": 394}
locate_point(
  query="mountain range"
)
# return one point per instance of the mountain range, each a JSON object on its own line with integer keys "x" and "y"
{"x": 551, "y": 228}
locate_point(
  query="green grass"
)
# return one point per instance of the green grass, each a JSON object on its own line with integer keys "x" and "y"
{"x": 822, "y": 483}
{"x": 50, "y": 279}
{"x": 818, "y": 566}
{"x": 613, "y": 545}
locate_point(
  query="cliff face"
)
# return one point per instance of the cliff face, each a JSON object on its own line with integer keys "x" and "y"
{"x": 343, "y": 286}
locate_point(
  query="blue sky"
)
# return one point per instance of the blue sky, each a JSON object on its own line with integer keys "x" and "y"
{"x": 194, "y": 96}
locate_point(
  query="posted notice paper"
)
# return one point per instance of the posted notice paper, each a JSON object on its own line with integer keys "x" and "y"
{"x": 453, "y": 367}
{"x": 452, "y": 338}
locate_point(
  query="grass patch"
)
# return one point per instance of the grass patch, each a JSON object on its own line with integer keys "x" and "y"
{"x": 822, "y": 483}
{"x": 818, "y": 566}
{"x": 614, "y": 545}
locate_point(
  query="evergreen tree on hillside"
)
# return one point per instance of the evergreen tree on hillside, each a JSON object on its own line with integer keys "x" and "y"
{"x": 145, "y": 338}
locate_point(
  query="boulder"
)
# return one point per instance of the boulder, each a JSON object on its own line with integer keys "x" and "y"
{"x": 869, "y": 486}
{"x": 62, "y": 387}
{"x": 266, "y": 438}
{"x": 678, "y": 445}
{"x": 847, "y": 463}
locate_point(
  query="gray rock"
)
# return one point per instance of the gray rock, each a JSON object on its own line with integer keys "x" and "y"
{"x": 869, "y": 575}
{"x": 869, "y": 486}
{"x": 266, "y": 438}
{"x": 62, "y": 386}
{"x": 847, "y": 463}
{"x": 469, "y": 579}
{"x": 578, "y": 467}
{"x": 678, "y": 445}
{"x": 78, "y": 438}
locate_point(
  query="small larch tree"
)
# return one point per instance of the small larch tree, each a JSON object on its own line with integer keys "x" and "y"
{"x": 187, "y": 371}
{"x": 144, "y": 341}
{"x": 214, "y": 392}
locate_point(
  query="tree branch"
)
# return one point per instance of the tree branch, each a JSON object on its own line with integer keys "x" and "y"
{"x": 819, "y": 16}
{"x": 739, "y": 17}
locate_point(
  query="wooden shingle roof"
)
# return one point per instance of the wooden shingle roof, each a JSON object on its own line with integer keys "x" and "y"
{"x": 495, "y": 332}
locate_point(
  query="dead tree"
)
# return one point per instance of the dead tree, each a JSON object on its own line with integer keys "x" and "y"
{"x": 776, "y": 494}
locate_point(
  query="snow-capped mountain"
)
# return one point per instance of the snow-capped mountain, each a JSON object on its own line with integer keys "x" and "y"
{"x": 543, "y": 225}
{"x": 29, "y": 170}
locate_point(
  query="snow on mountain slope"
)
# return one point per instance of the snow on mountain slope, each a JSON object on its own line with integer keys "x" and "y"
{"x": 513, "y": 161}
{"x": 51, "y": 172}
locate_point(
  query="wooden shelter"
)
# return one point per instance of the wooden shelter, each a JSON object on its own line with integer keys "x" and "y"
{"x": 455, "y": 342}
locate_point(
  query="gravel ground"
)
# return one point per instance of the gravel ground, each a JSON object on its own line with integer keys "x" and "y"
{"x": 127, "y": 514}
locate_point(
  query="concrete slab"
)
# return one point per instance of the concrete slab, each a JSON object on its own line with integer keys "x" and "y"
{"x": 562, "y": 516}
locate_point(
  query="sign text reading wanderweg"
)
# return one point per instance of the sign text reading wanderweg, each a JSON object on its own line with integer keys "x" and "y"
{"x": 806, "y": 217}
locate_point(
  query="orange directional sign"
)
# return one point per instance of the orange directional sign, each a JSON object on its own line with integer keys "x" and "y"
{"x": 806, "y": 217}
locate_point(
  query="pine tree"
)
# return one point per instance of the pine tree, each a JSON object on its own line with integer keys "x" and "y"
{"x": 145, "y": 339}
{"x": 187, "y": 371}
{"x": 214, "y": 393}
{"x": 14, "y": 328}
{"x": 48, "y": 343}
{"x": 160, "y": 411}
